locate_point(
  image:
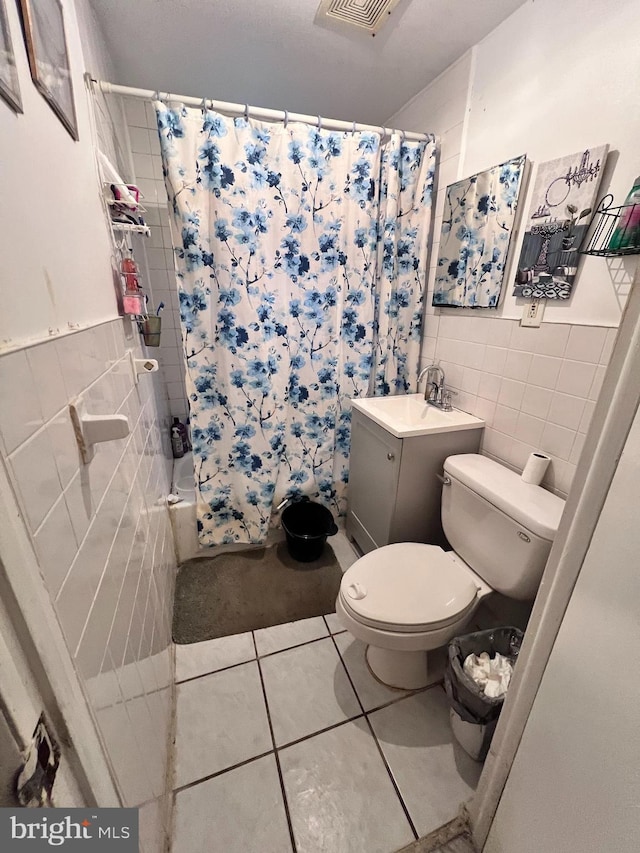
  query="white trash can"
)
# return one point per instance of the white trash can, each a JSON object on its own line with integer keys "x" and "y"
{"x": 474, "y": 738}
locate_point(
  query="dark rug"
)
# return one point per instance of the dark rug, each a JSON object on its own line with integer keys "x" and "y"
{"x": 247, "y": 590}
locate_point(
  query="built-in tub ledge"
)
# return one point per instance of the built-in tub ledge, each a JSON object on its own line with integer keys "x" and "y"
{"x": 183, "y": 513}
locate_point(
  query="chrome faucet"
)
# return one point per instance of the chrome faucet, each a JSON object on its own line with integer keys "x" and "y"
{"x": 435, "y": 392}
{"x": 420, "y": 375}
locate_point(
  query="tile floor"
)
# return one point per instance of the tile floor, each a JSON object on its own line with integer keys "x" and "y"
{"x": 285, "y": 742}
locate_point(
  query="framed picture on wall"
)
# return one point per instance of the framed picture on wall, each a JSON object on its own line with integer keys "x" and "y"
{"x": 9, "y": 88}
{"x": 564, "y": 198}
{"x": 49, "y": 57}
{"x": 477, "y": 223}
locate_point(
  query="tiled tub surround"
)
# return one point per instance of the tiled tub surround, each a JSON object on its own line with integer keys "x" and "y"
{"x": 300, "y": 748}
{"x": 535, "y": 388}
{"x": 158, "y": 249}
{"x": 103, "y": 541}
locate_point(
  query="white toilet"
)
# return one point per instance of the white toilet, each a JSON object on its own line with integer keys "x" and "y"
{"x": 405, "y": 599}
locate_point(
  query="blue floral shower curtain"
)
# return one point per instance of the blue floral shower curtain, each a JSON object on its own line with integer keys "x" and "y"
{"x": 406, "y": 184}
{"x": 277, "y": 234}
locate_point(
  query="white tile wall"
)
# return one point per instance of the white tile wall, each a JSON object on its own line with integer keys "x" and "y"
{"x": 102, "y": 536}
{"x": 534, "y": 387}
{"x": 158, "y": 249}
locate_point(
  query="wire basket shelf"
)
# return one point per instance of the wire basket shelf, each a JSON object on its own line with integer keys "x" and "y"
{"x": 616, "y": 230}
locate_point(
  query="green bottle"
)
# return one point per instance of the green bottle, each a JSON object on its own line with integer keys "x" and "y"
{"x": 627, "y": 231}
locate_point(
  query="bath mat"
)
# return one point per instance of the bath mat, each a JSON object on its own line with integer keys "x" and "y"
{"x": 247, "y": 590}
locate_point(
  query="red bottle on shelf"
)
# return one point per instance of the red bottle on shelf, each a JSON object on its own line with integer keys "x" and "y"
{"x": 130, "y": 272}
{"x": 133, "y": 299}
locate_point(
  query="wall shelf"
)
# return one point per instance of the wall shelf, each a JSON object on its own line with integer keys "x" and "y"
{"x": 131, "y": 228}
{"x": 119, "y": 207}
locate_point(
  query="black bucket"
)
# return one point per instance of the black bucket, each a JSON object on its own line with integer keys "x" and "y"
{"x": 307, "y": 525}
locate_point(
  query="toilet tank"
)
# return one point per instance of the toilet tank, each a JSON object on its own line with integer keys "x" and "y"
{"x": 502, "y": 527}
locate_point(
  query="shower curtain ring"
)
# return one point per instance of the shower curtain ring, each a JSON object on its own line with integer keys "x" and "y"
{"x": 353, "y": 128}
{"x": 319, "y": 122}
{"x": 246, "y": 112}
{"x": 204, "y": 105}
{"x": 286, "y": 118}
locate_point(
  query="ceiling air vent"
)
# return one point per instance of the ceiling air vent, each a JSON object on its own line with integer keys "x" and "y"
{"x": 368, "y": 15}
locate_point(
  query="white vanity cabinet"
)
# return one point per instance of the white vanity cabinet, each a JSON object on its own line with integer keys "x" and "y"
{"x": 394, "y": 491}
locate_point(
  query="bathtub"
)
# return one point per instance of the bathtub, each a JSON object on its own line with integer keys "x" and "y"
{"x": 183, "y": 514}
{"x": 184, "y": 518}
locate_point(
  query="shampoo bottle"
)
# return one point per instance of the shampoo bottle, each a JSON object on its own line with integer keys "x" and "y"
{"x": 177, "y": 443}
{"x": 184, "y": 434}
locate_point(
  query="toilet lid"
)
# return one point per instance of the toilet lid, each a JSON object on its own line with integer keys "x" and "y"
{"x": 407, "y": 587}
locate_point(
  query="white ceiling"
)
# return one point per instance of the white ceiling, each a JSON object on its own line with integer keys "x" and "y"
{"x": 269, "y": 53}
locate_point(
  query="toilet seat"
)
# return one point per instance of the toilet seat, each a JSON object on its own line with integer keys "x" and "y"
{"x": 408, "y": 587}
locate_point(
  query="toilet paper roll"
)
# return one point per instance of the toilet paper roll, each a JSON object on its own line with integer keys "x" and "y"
{"x": 535, "y": 469}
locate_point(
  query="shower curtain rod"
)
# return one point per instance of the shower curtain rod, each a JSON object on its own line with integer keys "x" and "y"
{"x": 254, "y": 112}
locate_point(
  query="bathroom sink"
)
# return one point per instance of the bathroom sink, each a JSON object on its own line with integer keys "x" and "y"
{"x": 409, "y": 415}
